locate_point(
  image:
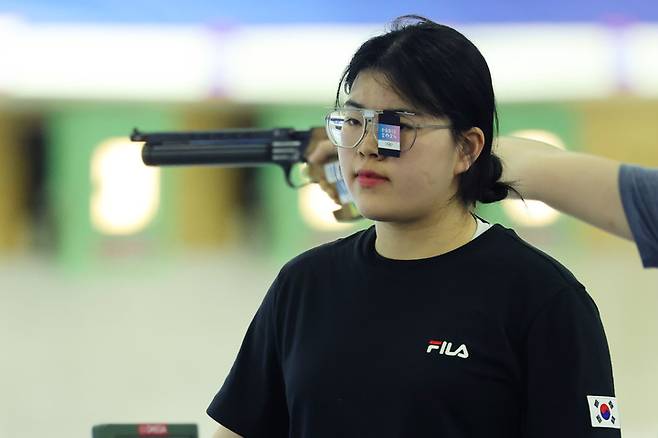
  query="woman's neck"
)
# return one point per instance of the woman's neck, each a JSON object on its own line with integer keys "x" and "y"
{"x": 433, "y": 235}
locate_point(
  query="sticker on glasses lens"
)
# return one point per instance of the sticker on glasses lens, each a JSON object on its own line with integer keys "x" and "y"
{"x": 388, "y": 134}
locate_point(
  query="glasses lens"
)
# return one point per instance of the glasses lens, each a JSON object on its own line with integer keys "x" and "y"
{"x": 407, "y": 133}
{"x": 345, "y": 127}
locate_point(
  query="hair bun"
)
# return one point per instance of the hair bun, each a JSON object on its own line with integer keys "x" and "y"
{"x": 492, "y": 189}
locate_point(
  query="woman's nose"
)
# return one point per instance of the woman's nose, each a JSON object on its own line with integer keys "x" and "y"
{"x": 368, "y": 146}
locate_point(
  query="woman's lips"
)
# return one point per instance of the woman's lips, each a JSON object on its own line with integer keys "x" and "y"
{"x": 367, "y": 178}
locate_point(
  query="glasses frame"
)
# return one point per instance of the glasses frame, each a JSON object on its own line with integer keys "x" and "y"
{"x": 368, "y": 116}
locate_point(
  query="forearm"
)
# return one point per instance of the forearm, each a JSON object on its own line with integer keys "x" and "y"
{"x": 580, "y": 185}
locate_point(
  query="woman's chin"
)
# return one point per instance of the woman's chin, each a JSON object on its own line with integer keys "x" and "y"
{"x": 378, "y": 213}
{"x": 402, "y": 214}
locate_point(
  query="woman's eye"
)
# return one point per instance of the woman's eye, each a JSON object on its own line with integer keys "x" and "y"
{"x": 352, "y": 122}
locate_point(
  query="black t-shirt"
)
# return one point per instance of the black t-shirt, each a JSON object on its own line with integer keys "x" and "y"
{"x": 493, "y": 339}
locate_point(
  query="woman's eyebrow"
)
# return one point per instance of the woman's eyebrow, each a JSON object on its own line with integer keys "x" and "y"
{"x": 356, "y": 104}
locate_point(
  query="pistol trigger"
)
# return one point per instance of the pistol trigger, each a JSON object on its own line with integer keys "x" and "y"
{"x": 287, "y": 170}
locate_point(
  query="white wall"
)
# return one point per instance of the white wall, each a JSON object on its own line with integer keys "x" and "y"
{"x": 151, "y": 345}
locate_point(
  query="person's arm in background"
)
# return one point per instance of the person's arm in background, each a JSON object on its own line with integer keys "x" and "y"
{"x": 584, "y": 186}
{"x": 616, "y": 197}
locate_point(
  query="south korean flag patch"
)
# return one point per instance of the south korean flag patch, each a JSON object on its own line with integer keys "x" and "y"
{"x": 604, "y": 411}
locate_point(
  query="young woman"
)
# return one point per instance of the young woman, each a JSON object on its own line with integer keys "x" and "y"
{"x": 431, "y": 323}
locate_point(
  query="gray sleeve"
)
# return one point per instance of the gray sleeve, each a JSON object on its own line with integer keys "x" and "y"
{"x": 639, "y": 195}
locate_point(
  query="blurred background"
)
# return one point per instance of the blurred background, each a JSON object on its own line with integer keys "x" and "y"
{"x": 125, "y": 291}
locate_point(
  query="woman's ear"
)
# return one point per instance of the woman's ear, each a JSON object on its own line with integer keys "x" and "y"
{"x": 469, "y": 147}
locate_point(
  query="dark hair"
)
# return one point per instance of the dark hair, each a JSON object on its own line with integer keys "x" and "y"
{"x": 442, "y": 73}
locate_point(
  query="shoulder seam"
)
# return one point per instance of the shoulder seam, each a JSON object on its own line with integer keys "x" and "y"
{"x": 571, "y": 280}
{"x": 549, "y": 301}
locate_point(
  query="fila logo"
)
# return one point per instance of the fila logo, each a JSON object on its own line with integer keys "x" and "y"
{"x": 445, "y": 348}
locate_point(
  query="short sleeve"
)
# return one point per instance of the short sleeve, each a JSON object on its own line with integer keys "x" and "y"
{"x": 252, "y": 402}
{"x": 567, "y": 361}
{"x": 639, "y": 194}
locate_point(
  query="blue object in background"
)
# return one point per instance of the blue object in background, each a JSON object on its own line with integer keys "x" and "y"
{"x": 323, "y": 11}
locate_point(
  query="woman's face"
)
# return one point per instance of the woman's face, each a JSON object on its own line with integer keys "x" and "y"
{"x": 415, "y": 185}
